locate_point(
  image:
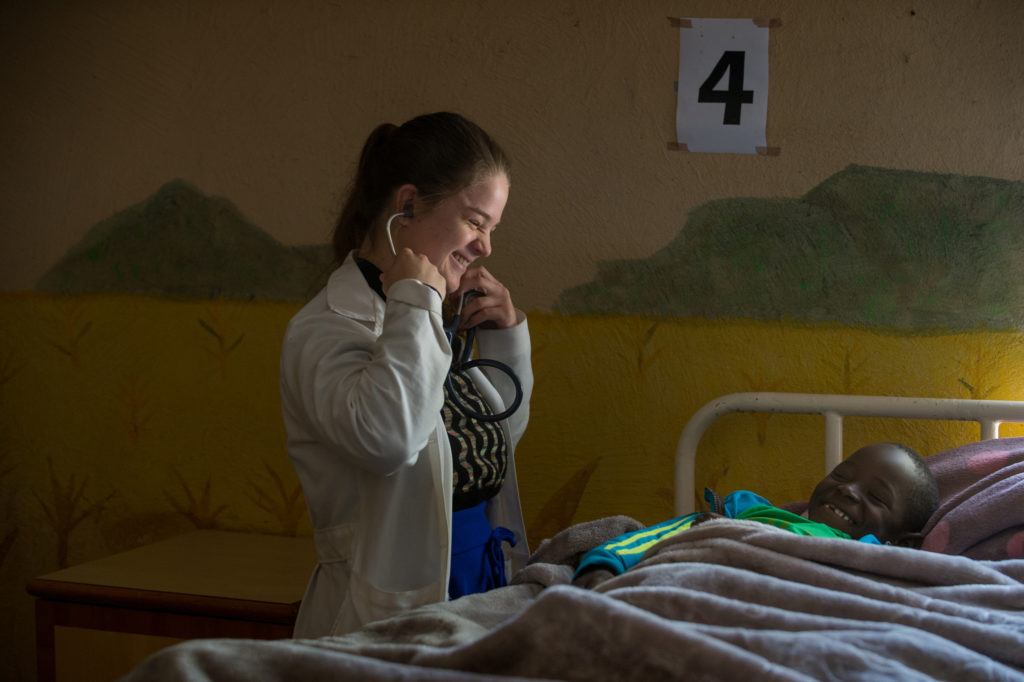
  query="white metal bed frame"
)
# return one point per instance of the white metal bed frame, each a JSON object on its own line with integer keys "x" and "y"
{"x": 988, "y": 413}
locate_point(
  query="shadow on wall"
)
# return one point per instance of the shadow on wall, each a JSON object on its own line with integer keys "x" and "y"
{"x": 867, "y": 247}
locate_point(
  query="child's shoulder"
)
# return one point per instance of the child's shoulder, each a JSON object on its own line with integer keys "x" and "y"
{"x": 736, "y": 502}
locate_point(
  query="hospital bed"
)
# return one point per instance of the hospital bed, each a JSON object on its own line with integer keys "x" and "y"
{"x": 724, "y": 600}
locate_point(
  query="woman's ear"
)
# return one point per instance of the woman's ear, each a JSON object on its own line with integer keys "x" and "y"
{"x": 911, "y": 540}
{"x": 405, "y": 198}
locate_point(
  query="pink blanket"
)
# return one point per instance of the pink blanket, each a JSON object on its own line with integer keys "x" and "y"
{"x": 981, "y": 512}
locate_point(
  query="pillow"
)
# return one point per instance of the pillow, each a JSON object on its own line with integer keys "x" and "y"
{"x": 981, "y": 500}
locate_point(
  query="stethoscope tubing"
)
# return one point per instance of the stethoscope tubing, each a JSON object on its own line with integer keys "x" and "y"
{"x": 464, "y": 364}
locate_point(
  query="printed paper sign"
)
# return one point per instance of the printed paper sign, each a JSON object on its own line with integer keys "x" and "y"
{"x": 722, "y": 103}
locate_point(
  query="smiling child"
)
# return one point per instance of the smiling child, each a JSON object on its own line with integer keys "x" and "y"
{"x": 883, "y": 493}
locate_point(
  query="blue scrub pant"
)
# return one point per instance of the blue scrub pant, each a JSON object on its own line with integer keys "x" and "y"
{"x": 478, "y": 562}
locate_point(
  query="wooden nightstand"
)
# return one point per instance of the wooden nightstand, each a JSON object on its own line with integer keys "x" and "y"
{"x": 97, "y": 620}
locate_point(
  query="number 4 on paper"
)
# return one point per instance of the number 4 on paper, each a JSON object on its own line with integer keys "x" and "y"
{"x": 722, "y": 99}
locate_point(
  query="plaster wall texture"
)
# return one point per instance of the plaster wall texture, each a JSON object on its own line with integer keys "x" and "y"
{"x": 268, "y": 102}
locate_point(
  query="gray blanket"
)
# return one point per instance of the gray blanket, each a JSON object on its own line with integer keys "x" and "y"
{"x": 725, "y": 600}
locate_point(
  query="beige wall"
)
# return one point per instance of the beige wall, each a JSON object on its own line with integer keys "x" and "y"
{"x": 267, "y": 103}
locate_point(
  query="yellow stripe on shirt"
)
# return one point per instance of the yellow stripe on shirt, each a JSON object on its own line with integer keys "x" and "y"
{"x": 674, "y": 530}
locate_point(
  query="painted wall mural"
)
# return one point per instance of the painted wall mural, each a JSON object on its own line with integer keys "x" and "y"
{"x": 139, "y": 384}
{"x": 181, "y": 243}
{"x": 867, "y": 247}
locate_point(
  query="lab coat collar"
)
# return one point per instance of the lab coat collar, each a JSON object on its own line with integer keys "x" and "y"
{"x": 348, "y": 293}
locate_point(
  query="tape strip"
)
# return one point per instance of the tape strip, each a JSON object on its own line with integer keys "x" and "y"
{"x": 761, "y": 151}
{"x": 761, "y": 22}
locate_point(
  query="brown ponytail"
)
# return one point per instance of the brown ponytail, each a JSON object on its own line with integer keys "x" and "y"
{"x": 441, "y": 154}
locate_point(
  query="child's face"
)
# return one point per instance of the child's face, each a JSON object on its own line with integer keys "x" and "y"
{"x": 867, "y": 493}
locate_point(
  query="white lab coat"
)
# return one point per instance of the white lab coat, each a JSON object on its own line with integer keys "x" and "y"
{"x": 361, "y": 393}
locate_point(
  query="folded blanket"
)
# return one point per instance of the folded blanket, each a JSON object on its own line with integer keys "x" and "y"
{"x": 981, "y": 488}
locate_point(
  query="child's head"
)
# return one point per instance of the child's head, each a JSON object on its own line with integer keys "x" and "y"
{"x": 884, "y": 489}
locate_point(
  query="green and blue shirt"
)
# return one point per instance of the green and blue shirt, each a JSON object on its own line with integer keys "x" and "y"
{"x": 625, "y": 551}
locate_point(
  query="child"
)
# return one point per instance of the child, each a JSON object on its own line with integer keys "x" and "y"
{"x": 882, "y": 493}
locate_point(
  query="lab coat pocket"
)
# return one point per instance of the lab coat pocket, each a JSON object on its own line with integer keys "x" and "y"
{"x": 372, "y": 603}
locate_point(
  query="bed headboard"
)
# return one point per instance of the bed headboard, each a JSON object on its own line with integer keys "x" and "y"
{"x": 988, "y": 413}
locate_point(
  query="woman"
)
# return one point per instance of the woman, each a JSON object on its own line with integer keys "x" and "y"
{"x": 410, "y": 493}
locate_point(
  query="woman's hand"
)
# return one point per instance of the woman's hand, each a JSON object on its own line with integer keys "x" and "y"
{"x": 409, "y": 265}
{"x": 493, "y": 309}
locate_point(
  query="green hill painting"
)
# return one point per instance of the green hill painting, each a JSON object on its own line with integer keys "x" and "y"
{"x": 180, "y": 243}
{"x": 867, "y": 247}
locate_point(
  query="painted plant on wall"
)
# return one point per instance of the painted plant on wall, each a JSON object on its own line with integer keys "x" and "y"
{"x": 161, "y": 396}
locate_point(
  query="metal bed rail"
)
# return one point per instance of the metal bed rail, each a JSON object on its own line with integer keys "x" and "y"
{"x": 988, "y": 413}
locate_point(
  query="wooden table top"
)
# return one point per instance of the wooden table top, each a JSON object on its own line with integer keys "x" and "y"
{"x": 200, "y": 571}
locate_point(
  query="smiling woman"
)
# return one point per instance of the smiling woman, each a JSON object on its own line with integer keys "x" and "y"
{"x": 450, "y": 235}
{"x": 409, "y": 477}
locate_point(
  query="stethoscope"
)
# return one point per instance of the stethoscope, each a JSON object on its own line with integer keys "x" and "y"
{"x": 465, "y": 361}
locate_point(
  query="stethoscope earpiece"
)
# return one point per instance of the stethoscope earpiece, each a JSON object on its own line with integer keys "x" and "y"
{"x": 387, "y": 230}
{"x": 405, "y": 213}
